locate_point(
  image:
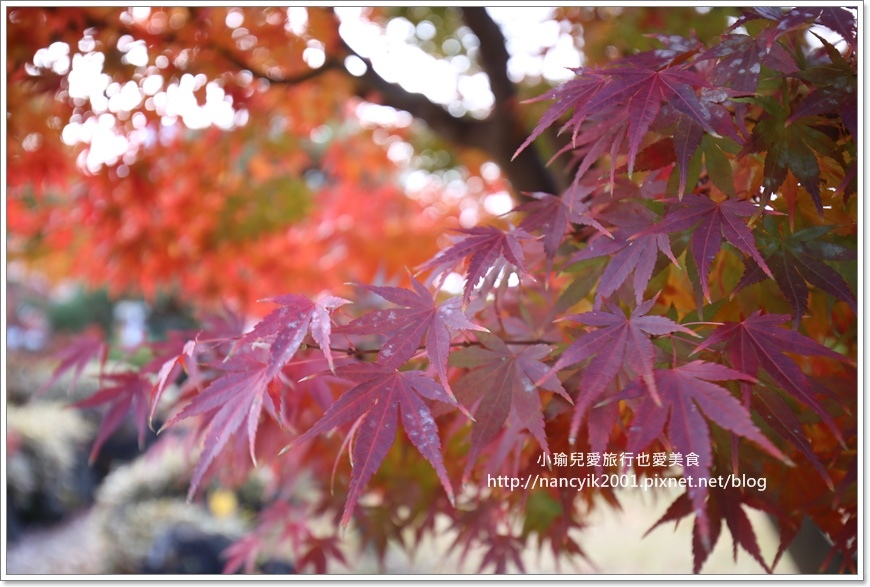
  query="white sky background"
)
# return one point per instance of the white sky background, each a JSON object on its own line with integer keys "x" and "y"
{"x": 528, "y": 30}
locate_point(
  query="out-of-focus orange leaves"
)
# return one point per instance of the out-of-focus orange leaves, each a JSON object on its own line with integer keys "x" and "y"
{"x": 298, "y": 196}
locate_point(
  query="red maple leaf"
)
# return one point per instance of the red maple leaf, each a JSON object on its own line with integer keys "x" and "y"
{"x": 757, "y": 342}
{"x": 566, "y": 96}
{"x": 233, "y": 402}
{"x": 184, "y": 360}
{"x": 242, "y": 554}
{"x": 491, "y": 253}
{"x": 484, "y": 526}
{"x": 318, "y": 551}
{"x": 682, "y": 391}
{"x": 675, "y": 85}
{"x": 714, "y": 222}
{"x": 406, "y": 328}
{"x": 738, "y": 66}
{"x": 382, "y": 393}
{"x": 502, "y": 384}
{"x": 76, "y": 356}
{"x": 628, "y": 252}
{"x": 182, "y": 350}
{"x": 842, "y": 22}
{"x": 501, "y": 549}
{"x": 287, "y": 327}
{"x": 838, "y": 20}
{"x": 620, "y": 342}
{"x": 553, "y": 215}
{"x": 777, "y": 414}
{"x": 126, "y": 392}
{"x": 632, "y": 94}
{"x": 724, "y": 504}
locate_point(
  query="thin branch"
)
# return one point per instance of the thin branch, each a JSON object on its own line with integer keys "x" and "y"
{"x": 464, "y": 344}
{"x": 230, "y": 56}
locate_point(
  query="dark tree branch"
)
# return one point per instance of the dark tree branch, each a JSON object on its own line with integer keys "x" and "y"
{"x": 499, "y": 135}
{"x": 465, "y": 132}
{"x": 493, "y": 51}
{"x": 528, "y": 171}
{"x": 272, "y": 79}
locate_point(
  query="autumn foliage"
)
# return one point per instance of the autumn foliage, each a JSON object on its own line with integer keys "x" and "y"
{"x": 689, "y": 289}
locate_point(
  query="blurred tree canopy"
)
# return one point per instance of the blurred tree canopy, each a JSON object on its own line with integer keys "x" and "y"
{"x": 224, "y": 154}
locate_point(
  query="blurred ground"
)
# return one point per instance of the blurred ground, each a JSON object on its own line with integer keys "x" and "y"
{"x": 81, "y": 542}
{"x": 614, "y": 542}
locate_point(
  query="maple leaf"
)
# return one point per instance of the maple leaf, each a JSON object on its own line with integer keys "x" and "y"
{"x": 738, "y": 66}
{"x": 790, "y": 146}
{"x": 126, "y": 392}
{"x": 675, "y": 85}
{"x": 318, "y": 551}
{"x": 713, "y": 223}
{"x": 242, "y": 554}
{"x": 76, "y": 356}
{"x": 482, "y": 526}
{"x": 632, "y": 93}
{"x": 566, "y": 97}
{"x": 285, "y": 524}
{"x": 488, "y": 250}
{"x": 604, "y": 133}
{"x": 620, "y": 342}
{"x": 724, "y": 504}
{"x": 730, "y": 504}
{"x": 756, "y": 342}
{"x": 185, "y": 360}
{"x": 798, "y": 259}
{"x": 501, "y": 549}
{"x": 682, "y": 391}
{"x": 382, "y": 394}
{"x": 841, "y": 21}
{"x": 502, "y": 384}
{"x": 171, "y": 210}
{"x": 837, "y": 19}
{"x": 232, "y": 404}
{"x": 627, "y": 253}
{"x": 287, "y": 327}
{"x": 779, "y": 416}
{"x": 182, "y": 351}
{"x": 835, "y": 86}
{"x": 553, "y": 215}
{"x": 406, "y": 328}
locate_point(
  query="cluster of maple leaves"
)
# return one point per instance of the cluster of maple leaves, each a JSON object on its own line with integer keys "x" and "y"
{"x": 719, "y": 179}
